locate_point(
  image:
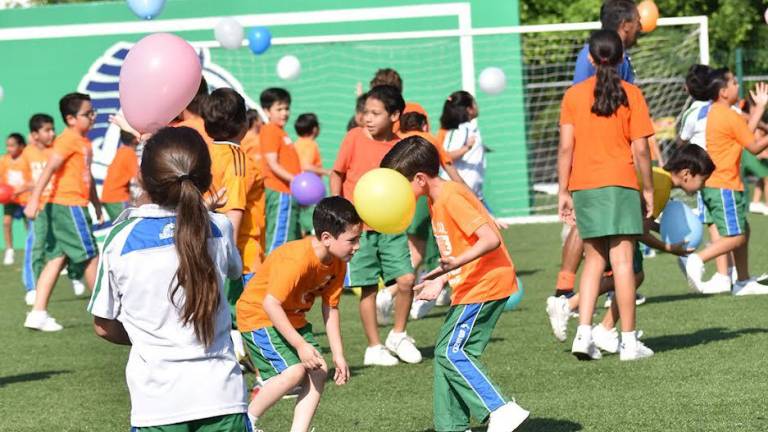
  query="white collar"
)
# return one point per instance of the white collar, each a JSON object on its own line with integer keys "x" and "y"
{"x": 227, "y": 143}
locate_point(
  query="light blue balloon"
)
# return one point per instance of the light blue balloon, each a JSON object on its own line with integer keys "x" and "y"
{"x": 146, "y": 9}
{"x": 679, "y": 224}
{"x": 515, "y": 298}
{"x": 259, "y": 39}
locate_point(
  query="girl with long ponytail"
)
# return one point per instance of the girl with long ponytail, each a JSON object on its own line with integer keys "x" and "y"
{"x": 604, "y": 131}
{"x": 160, "y": 290}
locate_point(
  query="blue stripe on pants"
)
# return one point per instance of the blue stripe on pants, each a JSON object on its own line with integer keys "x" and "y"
{"x": 474, "y": 377}
{"x": 731, "y": 212}
{"x": 264, "y": 342}
{"x": 283, "y": 219}
{"x": 27, "y": 275}
{"x": 84, "y": 230}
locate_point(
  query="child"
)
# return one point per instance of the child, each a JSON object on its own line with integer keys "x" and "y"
{"x": 382, "y": 256}
{"x": 63, "y": 226}
{"x": 160, "y": 291}
{"x": 272, "y": 311}
{"x": 308, "y": 129}
{"x": 694, "y": 119}
{"x": 13, "y": 174}
{"x": 116, "y": 193}
{"x": 462, "y": 139}
{"x": 250, "y": 143}
{"x": 480, "y": 271}
{"x": 727, "y": 134}
{"x": 281, "y": 164}
{"x": 598, "y": 179}
{"x": 687, "y": 168}
{"x": 191, "y": 116}
{"x": 389, "y": 76}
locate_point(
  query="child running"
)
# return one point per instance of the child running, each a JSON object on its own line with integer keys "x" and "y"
{"x": 478, "y": 267}
{"x": 598, "y": 180}
{"x": 271, "y": 313}
{"x": 160, "y": 290}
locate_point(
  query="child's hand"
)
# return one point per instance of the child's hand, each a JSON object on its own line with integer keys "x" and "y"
{"x": 565, "y": 208}
{"x": 429, "y": 289}
{"x": 30, "y": 210}
{"x": 680, "y": 249}
{"x": 648, "y": 199}
{"x": 310, "y": 357}
{"x": 760, "y": 94}
{"x": 341, "y": 376}
{"x": 448, "y": 263}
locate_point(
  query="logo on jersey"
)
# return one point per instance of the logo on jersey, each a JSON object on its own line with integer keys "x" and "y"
{"x": 167, "y": 231}
{"x": 102, "y": 83}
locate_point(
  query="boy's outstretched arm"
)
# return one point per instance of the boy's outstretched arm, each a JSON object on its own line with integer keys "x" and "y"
{"x": 333, "y": 330}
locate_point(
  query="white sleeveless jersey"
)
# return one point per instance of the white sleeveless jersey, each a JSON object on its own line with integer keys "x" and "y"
{"x": 171, "y": 376}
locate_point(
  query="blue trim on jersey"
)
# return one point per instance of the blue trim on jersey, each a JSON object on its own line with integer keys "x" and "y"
{"x": 247, "y": 277}
{"x": 731, "y": 212}
{"x": 264, "y": 342}
{"x": 703, "y": 111}
{"x": 155, "y": 232}
{"x": 86, "y": 237}
{"x": 474, "y": 377}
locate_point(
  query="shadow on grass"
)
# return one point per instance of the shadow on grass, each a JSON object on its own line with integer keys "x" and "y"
{"x": 526, "y": 272}
{"x": 673, "y": 298}
{"x": 700, "y": 337}
{"x": 538, "y": 425}
{"x": 33, "y": 376}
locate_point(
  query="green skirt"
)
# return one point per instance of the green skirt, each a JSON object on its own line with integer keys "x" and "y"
{"x": 608, "y": 211}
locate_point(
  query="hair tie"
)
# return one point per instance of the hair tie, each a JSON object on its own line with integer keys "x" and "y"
{"x": 183, "y": 177}
{"x": 450, "y": 99}
{"x": 604, "y": 61}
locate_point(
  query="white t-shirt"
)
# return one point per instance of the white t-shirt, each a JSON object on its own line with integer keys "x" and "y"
{"x": 171, "y": 376}
{"x": 471, "y": 166}
{"x": 694, "y": 123}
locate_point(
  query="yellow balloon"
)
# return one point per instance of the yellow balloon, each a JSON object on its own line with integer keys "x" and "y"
{"x": 662, "y": 187}
{"x": 384, "y": 199}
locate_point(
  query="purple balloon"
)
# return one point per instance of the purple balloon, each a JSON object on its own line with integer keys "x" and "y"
{"x": 308, "y": 188}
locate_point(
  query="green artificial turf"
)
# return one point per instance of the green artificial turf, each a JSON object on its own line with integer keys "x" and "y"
{"x": 708, "y": 374}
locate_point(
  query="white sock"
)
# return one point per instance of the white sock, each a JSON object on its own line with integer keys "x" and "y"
{"x": 629, "y": 337}
{"x": 584, "y": 329}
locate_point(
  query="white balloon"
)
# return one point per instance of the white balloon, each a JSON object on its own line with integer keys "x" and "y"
{"x": 229, "y": 33}
{"x": 492, "y": 80}
{"x": 2, "y": 93}
{"x": 288, "y": 68}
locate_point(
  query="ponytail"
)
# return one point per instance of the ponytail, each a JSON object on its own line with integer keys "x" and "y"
{"x": 175, "y": 171}
{"x": 607, "y": 52}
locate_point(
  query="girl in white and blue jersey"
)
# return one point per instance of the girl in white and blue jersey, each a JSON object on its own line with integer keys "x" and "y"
{"x": 160, "y": 289}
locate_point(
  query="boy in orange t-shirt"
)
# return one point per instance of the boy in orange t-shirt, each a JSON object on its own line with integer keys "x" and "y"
{"x": 116, "y": 191}
{"x": 271, "y": 314}
{"x": 14, "y": 174}
{"x": 478, "y": 267}
{"x": 381, "y": 256}
{"x": 64, "y": 224}
{"x": 722, "y": 199}
{"x": 281, "y": 165}
{"x": 308, "y": 129}
{"x": 250, "y": 143}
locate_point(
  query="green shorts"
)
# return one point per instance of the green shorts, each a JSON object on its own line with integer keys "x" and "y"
{"x": 63, "y": 231}
{"x": 114, "y": 209}
{"x": 282, "y": 219}
{"x": 233, "y": 289}
{"x": 637, "y": 261}
{"x": 726, "y": 208}
{"x": 224, "y": 423}
{"x": 384, "y": 256}
{"x": 750, "y": 164}
{"x": 270, "y": 351}
{"x": 13, "y": 210}
{"x": 306, "y": 224}
{"x": 608, "y": 211}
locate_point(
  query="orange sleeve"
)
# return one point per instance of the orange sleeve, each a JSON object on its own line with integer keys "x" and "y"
{"x": 270, "y": 140}
{"x": 344, "y": 157}
{"x": 467, "y": 218}
{"x": 441, "y": 153}
{"x": 332, "y": 294}
{"x": 235, "y": 182}
{"x": 63, "y": 148}
{"x": 283, "y": 282}
{"x": 566, "y": 114}
{"x": 4, "y": 169}
{"x": 741, "y": 132}
{"x": 640, "y": 124}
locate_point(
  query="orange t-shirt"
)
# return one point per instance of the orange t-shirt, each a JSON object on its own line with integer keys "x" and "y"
{"x": 411, "y": 107}
{"x": 273, "y": 139}
{"x": 456, "y": 215}
{"x": 308, "y": 151}
{"x": 358, "y": 154}
{"x": 602, "y": 153}
{"x": 123, "y": 168}
{"x": 444, "y": 158}
{"x": 250, "y": 145}
{"x": 231, "y": 168}
{"x": 36, "y": 159}
{"x": 727, "y": 135}
{"x": 294, "y": 275}
{"x": 72, "y": 181}
{"x": 15, "y": 173}
{"x": 197, "y": 123}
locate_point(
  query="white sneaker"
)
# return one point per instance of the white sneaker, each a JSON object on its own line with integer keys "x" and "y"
{"x": 444, "y": 299}
{"x": 749, "y": 287}
{"x": 78, "y": 287}
{"x": 583, "y": 347}
{"x": 8, "y": 259}
{"x": 403, "y": 346}
{"x": 758, "y": 207}
{"x": 237, "y": 343}
{"x": 29, "y": 298}
{"x": 606, "y": 340}
{"x": 40, "y": 320}
{"x": 634, "y": 351}
{"x": 420, "y": 308}
{"x": 507, "y": 418}
{"x": 559, "y": 312}
{"x": 379, "y": 356}
{"x": 719, "y": 283}
{"x": 384, "y": 305}
{"x": 694, "y": 270}
{"x": 639, "y": 299}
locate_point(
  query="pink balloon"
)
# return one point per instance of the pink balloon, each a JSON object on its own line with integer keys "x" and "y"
{"x": 159, "y": 78}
